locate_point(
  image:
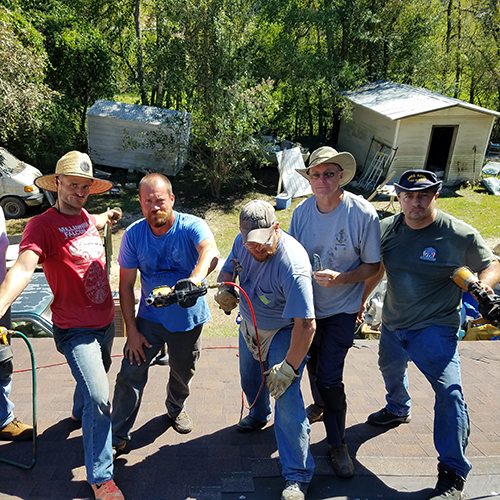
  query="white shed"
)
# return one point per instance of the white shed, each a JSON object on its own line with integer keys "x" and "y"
{"x": 113, "y": 126}
{"x": 420, "y": 128}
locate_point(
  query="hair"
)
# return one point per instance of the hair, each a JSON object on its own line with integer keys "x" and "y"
{"x": 156, "y": 179}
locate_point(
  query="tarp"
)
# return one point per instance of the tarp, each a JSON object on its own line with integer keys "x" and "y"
{"x": 492, "y": 184}
{"x": 293, "y": 183}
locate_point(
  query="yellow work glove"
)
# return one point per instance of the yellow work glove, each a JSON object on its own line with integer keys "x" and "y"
{"x": 227, "y": 297}
{"x": 280, "y": 377}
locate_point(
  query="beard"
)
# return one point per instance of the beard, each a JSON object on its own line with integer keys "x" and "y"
{"x": 267, "y": 255}
{"x": 158, "y": 219}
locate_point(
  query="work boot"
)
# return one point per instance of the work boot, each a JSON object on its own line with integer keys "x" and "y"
{"x": 341, "y": 461}
{"x": 107, "y": 491}
{"x": 314, "y": 413}
{"x": 16, "y": 431}
{"x": 250, "y": 424}
{"x": 449, "y": 485}
{"x": 385, "y": 417}
{"x": 182, "y": 422}
{"x": 294, "y": 490}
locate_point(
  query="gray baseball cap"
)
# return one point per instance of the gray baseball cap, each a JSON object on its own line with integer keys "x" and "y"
{"x": 256, "y": 220}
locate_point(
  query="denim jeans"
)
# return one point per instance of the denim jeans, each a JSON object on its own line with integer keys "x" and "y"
{"x": 6, "y": 405}
{"x": 290, "y": 422}
{"x": 88, "y": 353}
{"x": 434, "y": 351}
{"x": 183, "y": 350}
{"x": 6, "y": 367}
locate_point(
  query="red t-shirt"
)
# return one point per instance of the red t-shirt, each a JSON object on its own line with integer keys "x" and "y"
{"x": 72, "y": 257}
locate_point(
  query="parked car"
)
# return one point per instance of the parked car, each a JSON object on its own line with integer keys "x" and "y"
{"x": 17, "y": 187}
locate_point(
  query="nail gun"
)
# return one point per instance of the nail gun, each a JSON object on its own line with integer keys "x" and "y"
{"x": 488, "y": 304}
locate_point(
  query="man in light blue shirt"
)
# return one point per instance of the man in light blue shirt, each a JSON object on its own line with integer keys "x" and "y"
{"x": 276, "y": 275}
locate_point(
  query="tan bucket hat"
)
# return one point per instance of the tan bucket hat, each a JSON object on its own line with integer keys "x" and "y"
{"x": 74, "y": 163}
{"x": 326, "y": 154}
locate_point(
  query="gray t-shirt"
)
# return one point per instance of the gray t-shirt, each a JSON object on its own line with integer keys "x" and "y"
{"x": 343, "y": 238}
{"x": 419, "y": 264}
{"x": 279, "y": 288}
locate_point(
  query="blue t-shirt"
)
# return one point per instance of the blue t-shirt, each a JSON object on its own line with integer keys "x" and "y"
{"x": 164, "y": 260}
{"x": 279, "y": 288}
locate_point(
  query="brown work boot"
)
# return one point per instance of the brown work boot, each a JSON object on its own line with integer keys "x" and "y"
{"x": 16, "y": 431}
{"x": 314, "y": 413}
{"x": 341, "y": 461}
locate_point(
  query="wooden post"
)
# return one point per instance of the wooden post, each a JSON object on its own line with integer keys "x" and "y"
{"x": 281, "y": 171}
{"x": 393, "y": 173}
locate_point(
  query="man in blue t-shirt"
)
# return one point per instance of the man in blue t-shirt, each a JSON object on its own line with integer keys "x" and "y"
{"x": 168, "y": 248}
{"x": 421, "y": 248}
{"x": 275, "y": 273}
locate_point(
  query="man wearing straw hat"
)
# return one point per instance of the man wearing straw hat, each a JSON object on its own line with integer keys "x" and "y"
{"x": 344, "y": 231}
{"x": 66, "y": 242}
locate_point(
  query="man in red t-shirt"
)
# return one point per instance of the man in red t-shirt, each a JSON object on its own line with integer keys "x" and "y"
{"x": 66, "y": 242}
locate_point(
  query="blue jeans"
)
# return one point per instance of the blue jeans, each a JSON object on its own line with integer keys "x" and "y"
{"x": 88, "y": 353}
{"x": 6, "y": 405}
{"x": 435, "y": 353}
{"x": 290, "y": 422}
{"x": 6, "y": 368}
{"x": 183, "y": 350}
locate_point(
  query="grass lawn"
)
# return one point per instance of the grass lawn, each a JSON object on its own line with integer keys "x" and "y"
{"x": 473, "y": 205}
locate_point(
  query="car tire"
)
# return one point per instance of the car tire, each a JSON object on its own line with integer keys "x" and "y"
{"x": 13, "y": 207}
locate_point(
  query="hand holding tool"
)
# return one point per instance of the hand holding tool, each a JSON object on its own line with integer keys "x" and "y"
{"x": 227, "y": 297}
{"x": 488, "y": 304}
{"x": 185, "y": 293}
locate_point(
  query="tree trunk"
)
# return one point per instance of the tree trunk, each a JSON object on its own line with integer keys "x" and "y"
{"x": 140, "y": 71}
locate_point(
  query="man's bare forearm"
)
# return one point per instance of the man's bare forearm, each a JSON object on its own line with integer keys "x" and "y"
{"x": 207, "y": 260}
{"x": 302, "y": 336}
{"x": 491, "y": 275}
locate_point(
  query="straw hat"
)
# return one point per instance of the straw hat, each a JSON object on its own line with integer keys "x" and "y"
{"x": 74, "y": 163}
{"x": 327, "y": 154}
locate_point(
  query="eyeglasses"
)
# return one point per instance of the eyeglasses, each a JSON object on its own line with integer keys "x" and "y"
{"x": 316, "y": 176}
{"x": 259, "y": 246}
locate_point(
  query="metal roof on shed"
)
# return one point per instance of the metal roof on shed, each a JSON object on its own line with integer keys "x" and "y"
{"x": 132, "y": 112}
{"x": 396, "y": 100}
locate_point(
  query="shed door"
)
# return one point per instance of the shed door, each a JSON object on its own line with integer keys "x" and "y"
{"x": 440, "y": 150}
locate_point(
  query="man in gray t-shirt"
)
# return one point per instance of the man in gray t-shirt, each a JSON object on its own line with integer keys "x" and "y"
{"x": 344, "y": 231}
{"x": 421, "y": 248}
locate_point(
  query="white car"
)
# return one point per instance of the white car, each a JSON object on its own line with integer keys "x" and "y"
{"x": 17, "y": 187}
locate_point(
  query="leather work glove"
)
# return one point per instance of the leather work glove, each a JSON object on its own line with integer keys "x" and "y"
{"x": 280, "y": 377}
{"x": 187, "y": 292}
{"x": 227, "y": 297}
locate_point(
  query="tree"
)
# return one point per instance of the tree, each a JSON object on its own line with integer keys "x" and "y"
{"x": 24, "y": 97}
{"x": 81, "y": 64}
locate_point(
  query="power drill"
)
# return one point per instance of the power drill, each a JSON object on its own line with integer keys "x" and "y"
{"x": 488, "y": 304}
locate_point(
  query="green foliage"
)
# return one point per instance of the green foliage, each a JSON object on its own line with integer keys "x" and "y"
{"x": 81, "y": 64}
{"x": 225, "y": 142}
{"x": 24, "y": 97}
